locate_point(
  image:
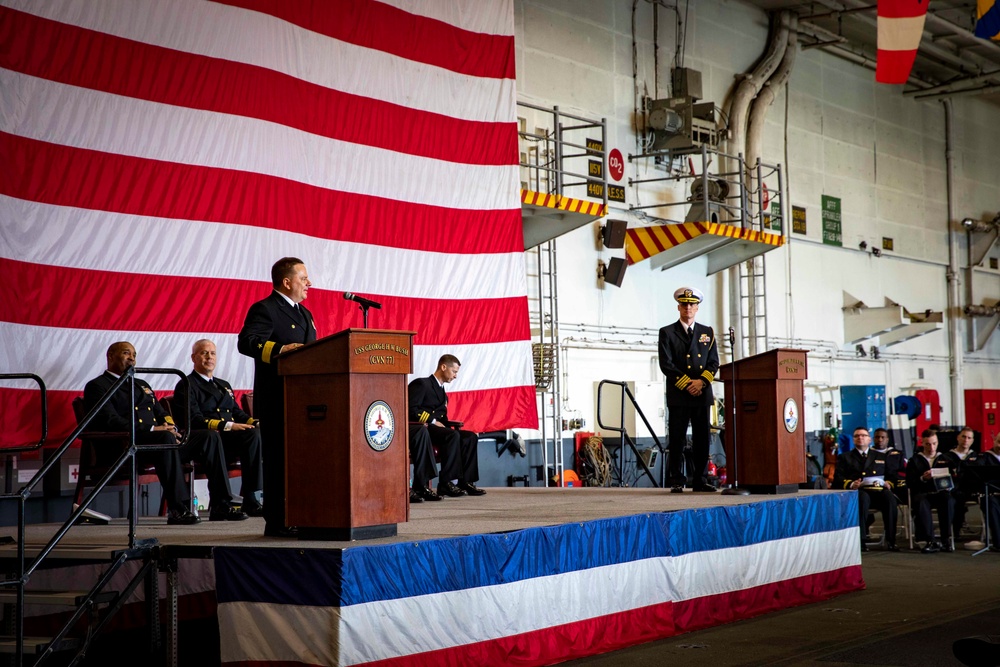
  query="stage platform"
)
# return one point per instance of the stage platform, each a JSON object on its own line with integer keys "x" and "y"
{"x": 519, "y": 576}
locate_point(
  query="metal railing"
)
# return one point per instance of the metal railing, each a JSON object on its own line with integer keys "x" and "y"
{"x": 557, "y": 145}
{"x": 128, "y": 457}
{"x": 746, "y": 198}
{"x": 626, "y": 438}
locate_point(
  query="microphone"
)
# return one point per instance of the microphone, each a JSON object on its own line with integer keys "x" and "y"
{"x": 732, "y": 338}
{"x": 366, "y": 303}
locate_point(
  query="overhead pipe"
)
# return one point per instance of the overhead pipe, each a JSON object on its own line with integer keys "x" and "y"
{"x": 755, "y": 141}
{"x": 945, "y": 87}
{"x": 968, "y": 92}
{"x": 956, "y": 356}
{"x": 962, "y": 63}
{"x": 763, "y": 101}
{"x": 737, "y": 109}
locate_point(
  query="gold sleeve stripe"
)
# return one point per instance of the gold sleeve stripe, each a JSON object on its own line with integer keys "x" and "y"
{"x": 214, "y": 424}
{"x": 252, "y": 421}
{"x": 169, "y": 420}
{"x": 424, "y": 416}
{"x": 708, "y": 375}
{"x": 265, "y": 354}
{"x": 682, "y": 382}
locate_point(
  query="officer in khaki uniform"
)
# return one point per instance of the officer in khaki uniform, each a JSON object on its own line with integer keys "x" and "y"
{"x": 689, "y": 358}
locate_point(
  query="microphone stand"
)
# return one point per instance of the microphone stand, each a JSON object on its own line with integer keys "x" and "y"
{"x": 734, "y": 489}
{"x": 364, "y": 312}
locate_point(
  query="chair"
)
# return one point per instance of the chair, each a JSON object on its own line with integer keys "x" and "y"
{"x": 98, "y": 450}
{"x": 246, "y": 402}
{"x": 233, "y": 468}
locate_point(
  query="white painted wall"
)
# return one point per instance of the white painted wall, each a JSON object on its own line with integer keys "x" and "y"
{"x": 838, "y": 133}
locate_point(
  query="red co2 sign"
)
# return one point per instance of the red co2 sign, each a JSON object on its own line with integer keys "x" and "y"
{"x": 616, "y": 164}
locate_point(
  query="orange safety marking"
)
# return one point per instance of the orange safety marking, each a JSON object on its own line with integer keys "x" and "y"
{"x": 644, "y": 242}
{"x": 562, "y": 203}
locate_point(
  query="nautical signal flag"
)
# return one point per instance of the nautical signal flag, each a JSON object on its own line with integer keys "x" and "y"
{"x": 988, "y": 19}
{"x": 900, "y": 27}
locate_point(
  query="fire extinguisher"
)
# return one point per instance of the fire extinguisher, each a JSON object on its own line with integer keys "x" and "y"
{"x": 713, "y": 471}
{"x": 721, "y": 474}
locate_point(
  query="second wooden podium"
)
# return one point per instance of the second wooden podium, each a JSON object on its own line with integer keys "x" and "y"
{"x": 765, "y": 436}
{"x": 346, "y": 434}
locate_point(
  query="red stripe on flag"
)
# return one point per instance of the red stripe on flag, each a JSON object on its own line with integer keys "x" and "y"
{"x": 50, "y": 50}
{"x": 79, "y": 299}
{"x": 894, "y": 66}
{"x": 385, "y": 28}
{"x": 27, "y": 404}
{"x": 81, "y": 178}
{"x": 901, "y": 9}
{"x": 615, "y": 631}
{"x": 494, "y": 409}
{"x": 483, "y": 410}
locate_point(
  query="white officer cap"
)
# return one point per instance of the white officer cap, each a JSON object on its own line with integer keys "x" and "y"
{"x": 688, "y": 295}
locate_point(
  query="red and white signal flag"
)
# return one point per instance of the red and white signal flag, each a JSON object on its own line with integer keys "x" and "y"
{"x": 900, "y": 27}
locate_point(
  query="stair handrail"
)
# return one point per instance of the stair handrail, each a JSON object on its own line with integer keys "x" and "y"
{"x": 45, "y": 414}
{"x": 24, "y": 573}
{"x": 626, "y": 438}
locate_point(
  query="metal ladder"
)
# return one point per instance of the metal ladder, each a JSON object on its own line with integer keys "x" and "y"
{"x": 753, "y": 306}
{"x": 541, "y": 264}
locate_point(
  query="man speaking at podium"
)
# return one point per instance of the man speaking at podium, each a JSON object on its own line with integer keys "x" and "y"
{"x": 273, "y": 326}
{"x": 689, "y": 358}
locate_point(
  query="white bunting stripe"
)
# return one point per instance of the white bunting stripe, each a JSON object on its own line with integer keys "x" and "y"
{"x": 511, "y": 609}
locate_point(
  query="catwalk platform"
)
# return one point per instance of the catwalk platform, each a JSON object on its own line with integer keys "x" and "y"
{"x": 519, "y": 576}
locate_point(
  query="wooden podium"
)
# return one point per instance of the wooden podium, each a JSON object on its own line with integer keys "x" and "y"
{"x": 346, "y": 434}
{"x": 765, "y": 436}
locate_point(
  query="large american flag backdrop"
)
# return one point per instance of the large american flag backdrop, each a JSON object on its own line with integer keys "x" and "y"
{"x": 157, "y": 157}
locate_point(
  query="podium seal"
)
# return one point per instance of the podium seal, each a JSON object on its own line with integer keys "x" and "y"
{"x": 791, "y": 415}
{"x": 380, "y": 426}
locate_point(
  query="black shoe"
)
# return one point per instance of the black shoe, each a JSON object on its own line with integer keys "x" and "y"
{"x": 704, "y": 488}
{"x": 471, "y": 489}
{"x": 254, "y": 510}
{"x": 450, "y": 490}
{"x": 948, "y": 549}
{"x": 977, "y": 651}
{"x": 415, "y": 497}
{"x": 227, "y": 513}
{"x": 891, "y": 546}
{"x": 425, "y": 493}
{"x": 184, "y": 518}
{"x": 676, "y": 489}
{"x": 288, "y": 532}
{"x": 931, "y": 548}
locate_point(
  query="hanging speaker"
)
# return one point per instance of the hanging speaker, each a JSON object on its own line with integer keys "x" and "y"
{"x": 613, "y": 233}
{"x": 615, "y": 273}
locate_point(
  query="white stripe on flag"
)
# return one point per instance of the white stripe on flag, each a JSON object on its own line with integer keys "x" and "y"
{"x": 66, "y": 115}
{"x": 900, "y": 34}
{"x": 489, "y": 19}
{"x": 102, "y": 241}
{"x": 242, "y": 36}
{"x": 484, "y": 366}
